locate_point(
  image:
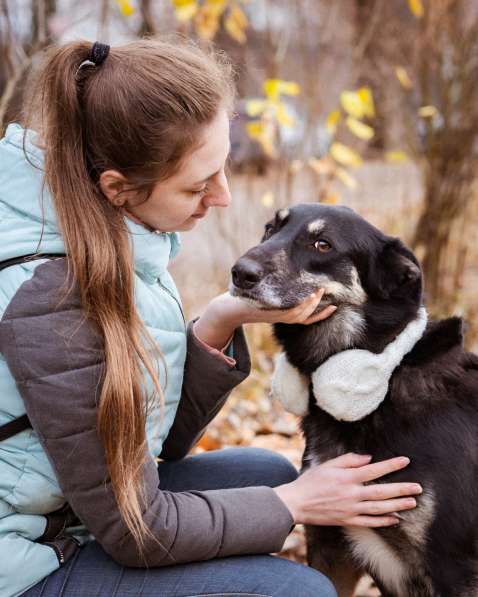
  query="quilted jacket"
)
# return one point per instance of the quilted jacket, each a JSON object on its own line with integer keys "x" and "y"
{"x": 51, "y": 366}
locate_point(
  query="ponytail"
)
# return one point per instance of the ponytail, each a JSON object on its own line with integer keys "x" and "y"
{"x": 90, "y": 121}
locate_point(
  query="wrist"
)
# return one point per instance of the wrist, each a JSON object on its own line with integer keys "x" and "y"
{"x": 288, "y": 495}
{"x": 214, "y": 330}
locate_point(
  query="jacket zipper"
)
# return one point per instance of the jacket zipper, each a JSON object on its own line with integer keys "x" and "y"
{"x": 173, "y": 297}
{"x": 70, "y": 543}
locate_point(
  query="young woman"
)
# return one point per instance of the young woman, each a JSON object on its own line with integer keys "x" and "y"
{"x": 122, "y": 148}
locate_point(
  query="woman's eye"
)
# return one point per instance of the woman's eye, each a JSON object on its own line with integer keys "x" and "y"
{"x": 322, "y": 245}
{"x": 199, "y": 191}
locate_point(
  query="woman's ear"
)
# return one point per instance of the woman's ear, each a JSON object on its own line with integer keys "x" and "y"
{"x": 113, "y": 184}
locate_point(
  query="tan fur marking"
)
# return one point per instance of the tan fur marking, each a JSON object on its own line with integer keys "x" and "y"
{"x": 316, "y": 226}
{"x": 372, "y": 551}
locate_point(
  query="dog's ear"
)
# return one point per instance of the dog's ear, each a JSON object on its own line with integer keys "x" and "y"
{"x": 393, "y": 272}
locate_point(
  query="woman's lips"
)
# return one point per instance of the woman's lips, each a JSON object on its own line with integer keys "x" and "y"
{"x": 199, "y": 215}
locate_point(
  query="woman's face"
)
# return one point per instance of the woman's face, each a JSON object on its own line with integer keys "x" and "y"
{"x": 180, "y": 201}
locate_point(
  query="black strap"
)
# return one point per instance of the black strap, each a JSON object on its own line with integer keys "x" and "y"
{"x": 26, "y": 258}
{"x": 13, "y": 427}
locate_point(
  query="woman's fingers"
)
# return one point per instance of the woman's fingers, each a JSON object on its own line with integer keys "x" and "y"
{"x": 327, "y": 312}
{"x": 370, "y": 472}
{"x": 349, "y": 460}
{"x": 385, "y": 491}
{"x": 386, "y": 506}
{"x": 373, "y": 521}
{"x": 305, "y": 309}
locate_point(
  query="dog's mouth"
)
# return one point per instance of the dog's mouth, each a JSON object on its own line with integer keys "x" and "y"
{"x": 257, "y": 299}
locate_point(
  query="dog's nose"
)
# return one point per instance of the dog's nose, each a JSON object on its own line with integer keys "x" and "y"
{"x": 246, "y": 273}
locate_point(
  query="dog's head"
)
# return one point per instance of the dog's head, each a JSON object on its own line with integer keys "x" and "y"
{"x": 373, "y": 279}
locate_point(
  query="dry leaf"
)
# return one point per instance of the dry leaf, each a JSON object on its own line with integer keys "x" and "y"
{"x": 126, "y": 8}
{"x": 416, "y": 8}
{"x": 403, "y": 77}
{"x": 236, "y": 23}
{"x": 348, "y": 180}
{"x": 352, "y": 104}
{"x": 332, "y": 120}
{"x": 427, "y": 111}
{"x": 396, "y": 156}
{"x": 366, "y": 97}
{"x": 185, "y": 10}
{"x": 345, "y": 155}
{"x": 359, "y": 129}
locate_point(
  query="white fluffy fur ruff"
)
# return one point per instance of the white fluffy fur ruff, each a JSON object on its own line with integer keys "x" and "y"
{"x": 349, "y": 385}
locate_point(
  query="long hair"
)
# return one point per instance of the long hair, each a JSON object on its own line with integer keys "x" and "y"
{"x": 140, "y": 112}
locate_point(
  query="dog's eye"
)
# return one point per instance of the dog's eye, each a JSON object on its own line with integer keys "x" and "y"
{"x": 268, "y": 231}
{"x": 322, "y": 245}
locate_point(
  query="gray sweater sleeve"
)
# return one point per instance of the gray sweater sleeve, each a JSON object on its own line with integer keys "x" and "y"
{"x": 208, "y": 381}
{"x": 55, "y": 355}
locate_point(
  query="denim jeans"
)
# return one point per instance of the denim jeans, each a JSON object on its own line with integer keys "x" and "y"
{"x": 92, "y": 573}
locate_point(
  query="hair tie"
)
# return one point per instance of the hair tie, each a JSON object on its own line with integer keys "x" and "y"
{"x": 98, "y": 52}
{"x": 97, "y": 55}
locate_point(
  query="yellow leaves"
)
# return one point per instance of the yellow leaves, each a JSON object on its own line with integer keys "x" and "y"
{"x": 345, "y": 177}
{"x": 283, "y": 117}
{"x": 365, "y": 96}
{"x": 395, "y": 157}
{"x": 274, "y": 88}
{"x": 331, "y": 199}
{"x": 185, "y": 9}
{"x": 332, "y": 120}
{"x": 351, "y": 104}
{"x": 359, "y": 129}
{"x": 236, "y": 24}
{"x": 126, "y": 8}
{"x": 403, "y": 77}
{"x": 272, "y": 112}
{"x": 207, "y": 20}
{"x": 358, "y": 103}
{"x": 428, "y": 111}
{"x": 255, "y": 107}
{"x": 263, "y": 131}
{"x": 416, "y": 8}
{"x": 345, "y": 155}
{"x": 207, "y": 15}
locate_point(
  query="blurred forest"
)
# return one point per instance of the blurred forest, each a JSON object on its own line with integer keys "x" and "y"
{"x": 367, "y": 103}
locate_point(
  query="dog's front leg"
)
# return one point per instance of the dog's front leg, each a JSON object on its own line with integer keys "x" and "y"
{"x": 329, "y": 552}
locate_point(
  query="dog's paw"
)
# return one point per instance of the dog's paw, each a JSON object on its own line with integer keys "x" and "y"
{"x": 290, "y": 387}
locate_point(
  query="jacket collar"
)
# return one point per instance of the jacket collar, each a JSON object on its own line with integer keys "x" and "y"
{"x": 151, "y": 251}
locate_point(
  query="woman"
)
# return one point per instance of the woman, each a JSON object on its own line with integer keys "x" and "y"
{"x": 131, "y": 143}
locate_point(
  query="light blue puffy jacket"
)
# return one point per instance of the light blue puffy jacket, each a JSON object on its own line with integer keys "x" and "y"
{"x": 28, "y": 486}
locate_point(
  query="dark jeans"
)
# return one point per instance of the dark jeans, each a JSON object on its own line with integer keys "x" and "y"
{"x": 92, "y": 573}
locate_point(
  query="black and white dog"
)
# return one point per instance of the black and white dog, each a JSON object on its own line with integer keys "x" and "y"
{"x": 375, "y": 378}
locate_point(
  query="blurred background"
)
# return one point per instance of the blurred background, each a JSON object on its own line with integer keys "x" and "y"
{"x": 367, "y": 103}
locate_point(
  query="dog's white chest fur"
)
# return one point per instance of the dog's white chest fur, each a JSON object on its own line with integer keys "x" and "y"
{"x": 349, "y": 385}
{"x": 371, "y": 551}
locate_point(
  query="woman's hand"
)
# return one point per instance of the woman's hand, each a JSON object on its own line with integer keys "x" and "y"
{"x": 334, "y": 493}
{"x": 226, "y": 312}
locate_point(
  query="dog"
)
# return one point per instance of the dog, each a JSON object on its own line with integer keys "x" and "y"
{"x": 425, "y": 405}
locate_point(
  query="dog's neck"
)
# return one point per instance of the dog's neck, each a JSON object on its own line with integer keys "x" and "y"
{"x": 307, "y": 347}
{"x": 350, "y": 384}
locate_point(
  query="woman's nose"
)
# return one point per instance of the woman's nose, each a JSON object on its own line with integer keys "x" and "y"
{"x": 219, "y": 194}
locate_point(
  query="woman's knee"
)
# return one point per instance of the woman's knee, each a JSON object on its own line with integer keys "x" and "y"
{"x": 315, "y": 584}
{"x": 265, "y": 467}
{"x": 281, "y": 578}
